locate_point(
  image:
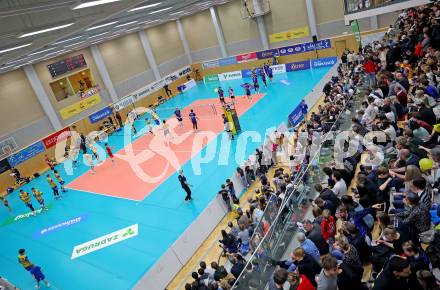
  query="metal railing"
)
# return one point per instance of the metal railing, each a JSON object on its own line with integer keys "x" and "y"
{"x": 352, "y": 6}
{"x": 279, "y": 223}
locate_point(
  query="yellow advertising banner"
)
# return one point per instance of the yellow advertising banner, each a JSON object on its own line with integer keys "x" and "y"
{"x": 80, "y": 106}
{"x": 299, "y": 32}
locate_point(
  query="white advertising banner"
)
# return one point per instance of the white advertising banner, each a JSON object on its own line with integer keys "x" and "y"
{"x": 125, "y": 102}
{"x": 233, "y": 75}
{"x": 278, "y": 69}
{"x": 105, "y": 241}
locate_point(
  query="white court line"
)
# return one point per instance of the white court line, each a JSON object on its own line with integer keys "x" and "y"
{"x": 108, "y": 195}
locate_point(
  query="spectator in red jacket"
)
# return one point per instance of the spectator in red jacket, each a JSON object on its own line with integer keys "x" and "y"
{"x": 328, "y": 225}
{"x": 370, "y": 70}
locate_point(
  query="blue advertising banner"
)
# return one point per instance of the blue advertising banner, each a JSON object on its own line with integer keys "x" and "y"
{"x": 101, "y": 114}
{"x": 26, "y": 153}
{"x": 227, "y": 61}
{"x": 300, "y": 65}
{"x": 211, "y": 64}
{"x": 59, "y": 226}
{"x": 306, "y": 47}
{"x": 297, "y": 115}
{"x": 323, "y": 62}
{"x": 247, "y": 73}
{"x": 266, "y": 53}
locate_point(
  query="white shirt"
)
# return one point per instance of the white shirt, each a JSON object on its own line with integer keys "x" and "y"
{"x": 340, "y": 188}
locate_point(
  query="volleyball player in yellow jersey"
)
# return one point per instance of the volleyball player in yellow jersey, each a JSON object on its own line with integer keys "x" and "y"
{"x": 60, "y": 180}
{"x": 53, "y": 186}
{"x": 5, "y": 203}
{"x": 39, "y": 197}
{"x": 23, "y": 260}
{"x": 26, "y": 198}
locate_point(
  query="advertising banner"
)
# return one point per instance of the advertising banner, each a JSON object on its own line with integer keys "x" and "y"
{"x": 59, "y": 226}
{"x": 266, "y": 53}
{"x": 323, "y": 62}
{"x": 210, "y": 79}
{"x": 246, "y": 57}
{"x": 175, "y": 75}
{"x": 299, "y": 32}
{"x": 52, "y": 139}
{"x": 227, "y": 61}
{"x": 278, "y": 69}
{"x": 246, "y": 73}
{"x": 320, "y": 44}
{"x": 123, "y": 103}
{"x": 101, "y": 114}
{"x": 105, "y": 241}
{"x": 26, "y": 153}
{"x": 4, "y": 165}
{"x": 233, "y": 75}
{"x": 305, "y": 47}
{"x": 79, "y": 107}
{"x": 357, "y": 33}
{"x": 296, "y": 116}
{"x": 300, "y": 65}
{"x": 186, "y": 86}
{"x": 211, "y": 64}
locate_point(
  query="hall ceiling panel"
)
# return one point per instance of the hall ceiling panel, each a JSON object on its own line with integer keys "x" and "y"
{"x": 19, "y": 17}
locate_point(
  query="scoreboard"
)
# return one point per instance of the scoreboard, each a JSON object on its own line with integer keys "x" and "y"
{"x": 64, "y": 66}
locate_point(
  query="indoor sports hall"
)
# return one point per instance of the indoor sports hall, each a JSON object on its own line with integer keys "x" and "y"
{"x": 182, "y": 144}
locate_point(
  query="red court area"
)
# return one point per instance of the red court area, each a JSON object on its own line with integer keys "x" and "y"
{"x": 141, "y": 166}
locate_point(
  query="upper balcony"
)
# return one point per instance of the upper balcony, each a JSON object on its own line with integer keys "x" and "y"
{"x": 357, "y": 9}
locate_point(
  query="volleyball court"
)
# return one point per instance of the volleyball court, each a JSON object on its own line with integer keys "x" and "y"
{"x": 145, "y": 163}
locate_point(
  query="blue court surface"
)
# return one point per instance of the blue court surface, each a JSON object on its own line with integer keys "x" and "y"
{"x": 162, "y": 216}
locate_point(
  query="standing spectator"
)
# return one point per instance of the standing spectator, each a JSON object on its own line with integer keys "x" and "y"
{"x": 328, "y": 278}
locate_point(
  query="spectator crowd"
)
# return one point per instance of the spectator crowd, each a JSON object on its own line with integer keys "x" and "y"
{"x": 375, "y": 218}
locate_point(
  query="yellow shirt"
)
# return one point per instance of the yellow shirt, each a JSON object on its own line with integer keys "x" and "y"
{"x": 23, "y": 259}
{"x": 38, "y": 194}
{"x": 58, "y": 177}
{"x": 25, "y": 197}
{"x": 51, "y": 183}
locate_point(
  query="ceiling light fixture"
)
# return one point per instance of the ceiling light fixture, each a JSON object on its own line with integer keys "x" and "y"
{"x": 145, "y": 7}
{"x": 125, "y": 24}
{"x": 67, "y": 40}
{"x": 101, "y": 25}
{"x": 74, "y": 44}
{"x": 55, "y": 52}
{"x": 179, "y": 12}
{"x": 161, "y": 10}
{"x": 40, "y": 51}
{"x": 14, "y": 48}
{"x": 93, "y": 3}
{"x": 45, "y": 30}
{"x": 99, "y": 34}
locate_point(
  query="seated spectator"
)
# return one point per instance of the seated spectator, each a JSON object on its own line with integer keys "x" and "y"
{"x": 313, "y": 232}
{"x": 308, "y": 246}
{"x": 306, "y": 264}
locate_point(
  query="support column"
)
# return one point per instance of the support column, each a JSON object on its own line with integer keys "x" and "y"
{"x": 218, "y": 31}
{"x": 373, "y": 22}
{"x": 97, "y": 57}
{"x": 263, "y": 33}
{"x": 149, "y": 53}
{"x": 184, "y": 41}
{"x": 42, "y": 97}
{"x": 311, "y": 17}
